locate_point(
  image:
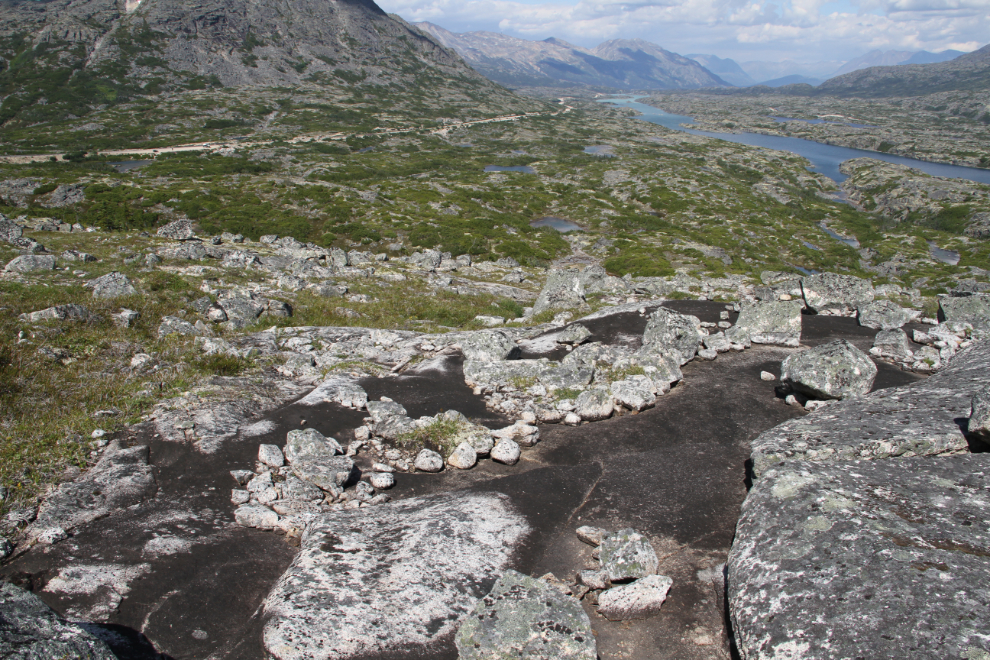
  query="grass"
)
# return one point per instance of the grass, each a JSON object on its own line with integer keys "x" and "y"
{"x": 438, "y": 436}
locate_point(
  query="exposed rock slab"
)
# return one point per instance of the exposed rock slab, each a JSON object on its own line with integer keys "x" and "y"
{"x": 373, "y": 581}
{"x": 917, "y": 419}
{"x": 879, "y": 559}
{"x": 524, "y": 617}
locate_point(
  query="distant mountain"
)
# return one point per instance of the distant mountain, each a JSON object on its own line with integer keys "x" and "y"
{"x": 725, "y": 68}
{"x": 65, "y": 58}
{"x": 966, "y": 72}
{"x": 619, "y": 64}
{"x": 760, "y": 70}
{"x": 792, "y": 80}
{"x": 895, "y": 57}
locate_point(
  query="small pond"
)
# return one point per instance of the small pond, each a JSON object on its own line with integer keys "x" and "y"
{"x": 601, "y": 150}
{"x": 525, "y": 169}
{"x": 557, "y": 223}
{"x": 950, "y": 257}
{"x": 128, "y": 165}
{"x": 850, "y": 241}
{"x": 809, "y": 245}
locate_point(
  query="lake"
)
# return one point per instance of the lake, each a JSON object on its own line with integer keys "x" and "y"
{"x": 559, "y": 224}
{"x": 526, "y": 169}
{"x": 825, "y": 158}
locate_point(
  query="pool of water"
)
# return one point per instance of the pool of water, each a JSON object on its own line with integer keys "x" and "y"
{"x": 128, "y": 165}
{"x": 809, "y": 245}
{"x": 850, "y": 241}
{"x": 825, "y": 158}
{"x": 526, "y": 169}
{"x": 559, "y": 224}
{"x": 950, "y": 257}
{"x": 601, "y": 150}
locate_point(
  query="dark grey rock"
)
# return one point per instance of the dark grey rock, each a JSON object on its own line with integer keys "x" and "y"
{"x": 864, "y": 559}
{"x": 775, "y": 322}
{"x": 627, "y": 554}
{"x": 178, "y": 230}
{"x": 111, "y": 285}
{"x": 29, "y": 263}
{"x": 883, "y": 315}
{"x": 671, "y": 333}
{"x": 523, "y": 617}
{"x": 378, "y": 581}
{"x": 926, "y": 414}
{"x": 836, "y": 370}
{"x": 979, "y": 417}
{"x": 30, "y": 630}
{"x": 837, "y": 295}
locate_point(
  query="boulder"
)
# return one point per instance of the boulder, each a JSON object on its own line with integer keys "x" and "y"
{"x": 308, "y": 445}
{"x": 178, "y": 230}
{"x": 573, "y": 335}
{"x": 381, "y": 410}
{"x": 487, "y": 346}
{"x": 9, "y": 231}
{"x": 380, "y": 581}
{"x": 59, "y": 313}
{"x": 978, "y": 424}
{"x": 927, "y": 414}
{"x": 836, "y": 295}
{"x": 428, "y": 460}
{"x": 627, "y": 554}
{"x": 594, "y": 404}
{"x": 634, "y": 392}
{"x": 241, "y": 310}
{"x": 173, "y": 325}
{"x": 974, "y": 309}
{"x": 637, "y": 600}
{"x": 883, "y": 315}
{"x": 893, "y": 345}
{"x": 563, "y": 290}
{"x": 328, "y": 474}
{"x": 111, "y": 285}
{"x": 523, "y": 617}
{"x": 464, "y": 457}
{"x": 670, "y": 333}
{"x": 836, "y": 370}
{"x": 864, "y": 559}
{"x": 594, "y": 279}
{"x": 506, "y": 451}
{"x": 28, "y": 263}
{"x": 255, "y": 515}
{"x": 271, "y": 456}
{"x": 30, "y": 630}
{"x": 776, "y": 322}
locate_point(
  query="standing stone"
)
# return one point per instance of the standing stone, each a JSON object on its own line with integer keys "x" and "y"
{"x": 523, "y": 617}
{"x": 178, "y": 230}
{"x": 27, "y": 263}
{"x": 637, "y": 600}
{"x": 30, "y": 630}
{"x": 773, "y": 322}
{"x": 386, "y": 581}
{"x": 668, "y": 332}
{"x": 979, "y": 419}
{"x": 111, "y": 285}
{"x": 836, "y": 370}
{"x": 627, "y": 554}
{"x": 883, "y": 315}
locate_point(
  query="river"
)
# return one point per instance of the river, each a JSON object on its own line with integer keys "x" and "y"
{"x": 825, "y": 158}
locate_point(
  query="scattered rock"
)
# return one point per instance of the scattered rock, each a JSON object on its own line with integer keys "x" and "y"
{"x": 428, "y": 460}
{"x": 381, "y": 480}
{"x": 767, "y": 376}
{"x": 178, "y": 230}
{"x": 271, "y": 456}
{"x": 487, "y": 346}
{"x": 125, "y": 318}
{"x": 31, "y": 630}
{"x": 636, "y": 600}
{"x": 627, "y": 554}
{"x": 772, "y": 322}
{"x": 594, "y": 404}
{"x": 464, "y": 457}
{"x": 883, "y": 315}
{"x": 836, "y": 370}
{"x": 506, "y": 451}
{"x": 591, "y": 535}
{"x": 255, "y": 515}
{"x": 174, "y": 325}
{"x": 671, "y": 333}
{"x": 27, "y": 263}
{"x": 523, "y": 617}
{"x": 836, "y": 295}
{"x": 111, "y": 285}
{"x": 59, "y": 313}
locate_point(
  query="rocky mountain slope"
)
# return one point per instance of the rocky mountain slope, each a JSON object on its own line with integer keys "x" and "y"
{"x": 725, "y": 68}
{"x": 967, "y": 72}
{"x": 67, "y": 58}
{"x": 620, "y": 63}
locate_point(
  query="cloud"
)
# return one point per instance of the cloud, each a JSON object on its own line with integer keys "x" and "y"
{"x": 805, "y": 30}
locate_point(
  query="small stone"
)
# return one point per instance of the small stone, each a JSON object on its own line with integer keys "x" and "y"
{"x": 428, "y": 460}
{"x": 6, "y": 548}
{"x": 52, "y": 535}
{"x": 125, "y": 318}
{"x": 260, "y": 482}
{"x": 506, "y": 451}
{"x": 572, "y": 419}
{"x": 242, "y": 476}
{"x": 707, "y": 354}
{"x": 464, "y": 457}
{"x": 238, "y": 496}
{"x": 528, "y": 417}
{"x": 590, "y": 535}
{"x": 767, "y": 376}
{"x": 255, "y": 515}
{"x": 381, "y": 480}
{"x": 637, "y": 600}
{"x": 595, "y": 579}
{"x": 792, "y": 400}
{"x": 627, "y": 554}
{"x": 271, "y": 456}
{"x": 97, "y": 434}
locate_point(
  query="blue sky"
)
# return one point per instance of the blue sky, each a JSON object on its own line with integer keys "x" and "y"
{"x": 775, "y": 30}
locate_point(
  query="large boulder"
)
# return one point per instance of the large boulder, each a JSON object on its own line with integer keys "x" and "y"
{"x": 523, "y": 617}
{"x": 883, "y": 315}
{"x": 9, "y": 231}
{"x": 974, "y": 309}
{"x": 30, "y": 630}
{"x": 487, "y": 346}
{"x": 670, "y": 333}
{"x": 28, "y": 263}
{"x": 978, "y": 423}
{"x": 836, "y": 295}
{"x": 836, "y": 370}
{"x": 178, "y": 230}
{"x": 774, "y": 322}
{"x": 381, "y": 581}
{"x": 563, "y": 290}
{"x": 111, "y": 285}
{"x": 893, "y": 345}
{"x": 927, "y": 414}
{"x": 59, "y": 313}
{"x": 874, "y": 559}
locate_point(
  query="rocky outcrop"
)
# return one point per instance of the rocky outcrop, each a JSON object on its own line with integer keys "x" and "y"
{"x": 973, "y": 309}
{"x": 30, "y": 630}
{"x": 864, "y": 559}
{"x": 670, "y": 333}
{"x": 836, "y": 295}
{"x": 381, "y": 580}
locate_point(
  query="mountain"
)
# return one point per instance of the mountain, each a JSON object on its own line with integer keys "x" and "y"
{"x": 761, "y": 70}
{"x": 966, "y": 72}
{"x": 63, "y": 58}
{"x": 791, "y": 80}
{"x": 620, "y": 63}
{"x": 925, "y": 57}
{"x": 725, "y": 68}
{"x": 874, "y": 58}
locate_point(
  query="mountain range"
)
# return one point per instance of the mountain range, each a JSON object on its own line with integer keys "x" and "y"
{"x": 895, "y": 57}
{"x": 617, "y": 64}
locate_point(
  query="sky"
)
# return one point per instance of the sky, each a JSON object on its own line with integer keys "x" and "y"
{"x": 745, "y": 30}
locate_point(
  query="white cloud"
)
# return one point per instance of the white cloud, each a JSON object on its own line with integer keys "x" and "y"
{"x": 804, "y": 30}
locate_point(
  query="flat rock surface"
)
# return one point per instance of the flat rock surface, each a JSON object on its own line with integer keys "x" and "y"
{"x": 930, "y": 417}
{"x": 864, "y": 559}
